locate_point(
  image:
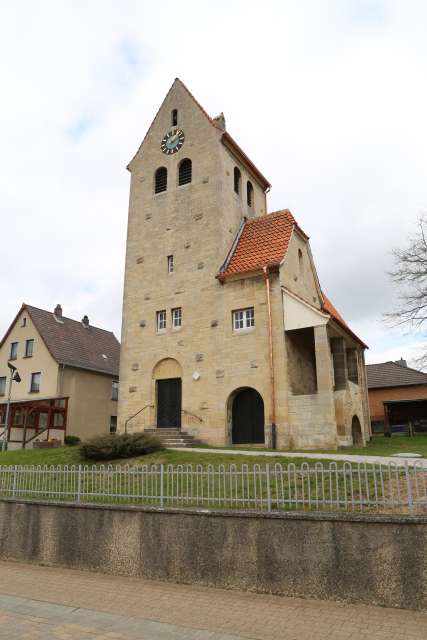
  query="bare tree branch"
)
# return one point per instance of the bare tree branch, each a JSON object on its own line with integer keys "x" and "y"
{"x": 410, "y": 276}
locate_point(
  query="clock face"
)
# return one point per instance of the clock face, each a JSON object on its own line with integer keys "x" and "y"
{"x": 172, "y": 142}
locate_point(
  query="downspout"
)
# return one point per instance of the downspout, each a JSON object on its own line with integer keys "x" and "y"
{"x": 265, "y": 199}
{"x": 271, "y": 360}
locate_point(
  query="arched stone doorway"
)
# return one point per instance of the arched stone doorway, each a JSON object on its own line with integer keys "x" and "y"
{"x": 247, "y": 417}
{"x": 167, "y": 376}
{"x": 356, "y": 432}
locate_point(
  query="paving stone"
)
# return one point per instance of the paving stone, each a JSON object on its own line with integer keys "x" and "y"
{"x": 81, "y": 605}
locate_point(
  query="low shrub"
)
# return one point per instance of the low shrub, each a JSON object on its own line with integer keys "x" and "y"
{"x": 123, "y": 445}
{"x": 71, "y": 441}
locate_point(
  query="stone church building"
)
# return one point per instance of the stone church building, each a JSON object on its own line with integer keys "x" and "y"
{"x": 226, "y": 332}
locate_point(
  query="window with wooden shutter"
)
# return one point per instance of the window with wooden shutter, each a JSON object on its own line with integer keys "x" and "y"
{"x": 161, "y": 180}
{"x": 185, "y": 172}
{"x": 249, "y": 194}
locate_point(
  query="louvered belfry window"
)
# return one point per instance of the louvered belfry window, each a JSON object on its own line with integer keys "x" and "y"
{"x": 185, "y": 172}
{"x": 161, "y": 180}
{"x": 237, "y": 180}
{"x": 174, "y": 117}
{"x": 249, "y": 193}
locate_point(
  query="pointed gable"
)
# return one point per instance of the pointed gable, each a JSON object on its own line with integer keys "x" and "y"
{"x": 217, "y": 124}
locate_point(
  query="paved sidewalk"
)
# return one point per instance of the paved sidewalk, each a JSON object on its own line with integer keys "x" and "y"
{"x": 348, "y": 457}
{"x": 60, "y": 604}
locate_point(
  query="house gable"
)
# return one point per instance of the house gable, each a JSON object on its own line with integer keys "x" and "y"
{"x": 297, "y": 270}
{"x": 22, "y": 329}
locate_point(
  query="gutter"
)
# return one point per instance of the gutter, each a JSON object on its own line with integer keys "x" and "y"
{"x": 232, "y": 146}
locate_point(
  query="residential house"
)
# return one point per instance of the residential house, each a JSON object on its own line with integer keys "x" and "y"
{"x": 68, "y": 374}
{"x": 397, "y": 397}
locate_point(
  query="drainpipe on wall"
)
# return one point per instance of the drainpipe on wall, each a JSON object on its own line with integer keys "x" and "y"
{"x": 271, "y": 360}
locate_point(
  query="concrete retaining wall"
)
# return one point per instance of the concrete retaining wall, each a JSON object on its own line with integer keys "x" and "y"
{"x": 379, "y": 559}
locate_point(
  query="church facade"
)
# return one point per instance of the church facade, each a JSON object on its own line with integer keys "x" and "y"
{"x": 226, "y": 332}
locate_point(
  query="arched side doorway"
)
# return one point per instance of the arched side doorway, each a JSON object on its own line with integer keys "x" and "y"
{"x": 356, "y": 432}
{"x": 167, "y": 375}
{"x": 247, "y": 417}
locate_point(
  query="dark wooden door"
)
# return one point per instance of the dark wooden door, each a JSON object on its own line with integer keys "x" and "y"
{"x": 169, "y": 403}
{"x": 248, "y": 418}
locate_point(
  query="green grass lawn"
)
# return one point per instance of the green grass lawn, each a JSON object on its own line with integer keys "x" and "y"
{"x": 70, "y": 456}
{"x": 381, "y": 446}
{"x": 206, "y": 483}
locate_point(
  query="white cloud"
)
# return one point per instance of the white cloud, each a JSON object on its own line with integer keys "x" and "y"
{"x": 328, "y": 98}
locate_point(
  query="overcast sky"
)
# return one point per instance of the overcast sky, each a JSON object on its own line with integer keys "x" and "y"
{"x": 327, "y": 97}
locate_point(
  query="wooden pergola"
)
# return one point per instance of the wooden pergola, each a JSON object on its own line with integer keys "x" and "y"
{"x": 38, "y": 416}
{"x": 412, "y": 413}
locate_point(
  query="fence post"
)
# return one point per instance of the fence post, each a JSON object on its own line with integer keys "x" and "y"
{"x": 409, "y": 487}
{"x": 79, "y": 468}
{"x": 15, "y": 471}
{"x": 161, "y": 485}
{"x": 267, "y": 477}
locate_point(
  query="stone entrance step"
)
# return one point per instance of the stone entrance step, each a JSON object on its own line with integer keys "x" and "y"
{"x": 172, "y": 437}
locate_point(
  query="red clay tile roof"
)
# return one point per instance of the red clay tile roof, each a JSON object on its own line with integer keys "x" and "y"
{"x": 329, "y": 308}
{"x": 262, "y": 242}
{"x": 73, "y": 344}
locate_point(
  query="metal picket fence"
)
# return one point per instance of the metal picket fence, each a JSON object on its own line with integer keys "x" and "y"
{"x": 315, "y": 487}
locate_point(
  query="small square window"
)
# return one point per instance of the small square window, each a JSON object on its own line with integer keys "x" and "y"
{"x": 3, "y": 386}
{"x": 29, "y": 347}
{"x": 170, "y": 264}
{"x": 13, "y": 351}
{"x": 161, "y": 320}
{"x": 35, "y": 382}
{"x": 176, "y": 317}
{"x": 243, "y": 319}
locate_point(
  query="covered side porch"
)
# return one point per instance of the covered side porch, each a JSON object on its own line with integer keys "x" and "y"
{"x": 33, "y": 421}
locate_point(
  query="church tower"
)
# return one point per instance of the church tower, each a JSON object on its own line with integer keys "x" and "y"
{"x": 191, "y": 188}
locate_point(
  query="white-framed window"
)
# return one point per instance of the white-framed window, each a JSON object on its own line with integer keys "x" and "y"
{"x": 161, "y": 320}
{"x": 243, "y": 319}
{"x": 29, "y": 348}
{"x": 170, "y": 264}
{"x": 13, "y": 351}
{"x": 176, "y": 317}
{"x": 35, "y": 382}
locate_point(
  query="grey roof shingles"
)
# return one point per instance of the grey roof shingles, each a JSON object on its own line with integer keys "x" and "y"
{"x": 392, "y": 374}
{"x": 73, "y": 344}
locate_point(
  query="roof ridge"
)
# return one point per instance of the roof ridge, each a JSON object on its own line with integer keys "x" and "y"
{"x": 91, "y": 326}
{"x": 158, "y": 111}
{"x": 375, "y": 364}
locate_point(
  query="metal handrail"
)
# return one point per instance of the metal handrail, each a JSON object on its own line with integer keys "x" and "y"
{"x": 193, "y": 415}
{"x": 136, "y": 414}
